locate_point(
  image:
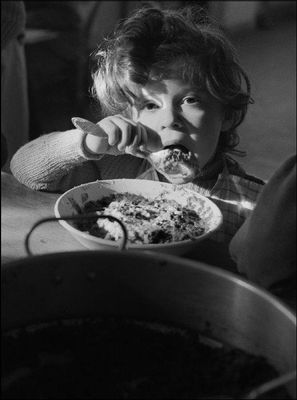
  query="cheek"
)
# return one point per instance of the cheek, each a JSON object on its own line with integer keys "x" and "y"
{"x": 204, "y": 151}
{"x": 204, "y": 144}
{"x": 205, "y": 141}
{"x": 206, "y": 119}
{"x": 147, "y": 119}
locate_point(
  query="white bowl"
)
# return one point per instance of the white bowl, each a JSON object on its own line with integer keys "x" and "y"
{"x": 74, "y": 199}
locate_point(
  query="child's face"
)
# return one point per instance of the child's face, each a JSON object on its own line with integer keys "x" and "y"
{"x": 183, "y": 115}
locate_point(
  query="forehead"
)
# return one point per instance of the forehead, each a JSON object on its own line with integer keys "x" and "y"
{"x": 166, "y": 86}
{"x": 188, "y": 69}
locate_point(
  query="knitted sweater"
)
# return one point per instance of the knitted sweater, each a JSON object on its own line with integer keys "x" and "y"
{"x": 58, "y": 161}
{"x": 13, "y": 19}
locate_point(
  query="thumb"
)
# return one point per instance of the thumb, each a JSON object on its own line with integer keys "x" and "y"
{"x": 152, "y": 141}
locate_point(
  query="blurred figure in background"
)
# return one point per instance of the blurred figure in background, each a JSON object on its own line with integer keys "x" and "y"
{"x": 14, "y": 95}
{"x": 264, "y": 18}
{"x": 264, "y": 248}
{"x": 52, "y": 63}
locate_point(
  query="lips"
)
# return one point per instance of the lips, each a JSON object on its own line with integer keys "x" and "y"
{"x": 180, "y": 147}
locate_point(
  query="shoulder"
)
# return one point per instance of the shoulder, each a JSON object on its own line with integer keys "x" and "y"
{"x": 282, "y": 188}
{"x": 234, "y": 168}
{"x": 268, "y": 255}
{"x": 253, "y": 178}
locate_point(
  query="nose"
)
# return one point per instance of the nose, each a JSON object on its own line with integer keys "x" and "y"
{"x": 170, "y": 118}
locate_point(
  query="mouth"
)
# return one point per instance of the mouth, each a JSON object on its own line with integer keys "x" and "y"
{"x": 176, "y": 162}
{"x": 180, "y": 147}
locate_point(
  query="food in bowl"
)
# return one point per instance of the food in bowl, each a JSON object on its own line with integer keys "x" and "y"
{"x": 118, "y": 357}
{"x": 148, "y": 221}
{"x": 72, "y": 204}
{"x": 176, "y": 162}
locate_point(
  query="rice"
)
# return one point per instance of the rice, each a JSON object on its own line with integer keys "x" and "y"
{"x": 147, "y": 221}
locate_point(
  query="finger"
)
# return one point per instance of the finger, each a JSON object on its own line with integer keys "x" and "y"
{"x": 112, "y": 131}
{"x": 142, "y": 135}
{"x": 136, "y": 152}
{"x": 134, "y": 148}
{"x": 128, "y": 120}
{"x": 144, "y": 141}
{"x": 131, "y": 150}
{"x": 142, "y": 138}
{"x": 129, "y": 132}
{"x": 136, "y": 130}
{"x": 137, "y": 139}
{"x": 125, "y": 136}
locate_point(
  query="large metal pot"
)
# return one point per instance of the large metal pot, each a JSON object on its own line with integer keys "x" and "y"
{"x": 151, "y": 286}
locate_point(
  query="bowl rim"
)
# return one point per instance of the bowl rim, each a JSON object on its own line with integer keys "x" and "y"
{"x": 114, "y": 244}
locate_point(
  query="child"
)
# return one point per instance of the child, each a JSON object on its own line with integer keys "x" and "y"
{"x": 164, "y": 78}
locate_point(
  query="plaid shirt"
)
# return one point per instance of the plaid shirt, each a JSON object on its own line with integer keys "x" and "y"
{"x": 234, "y": 192}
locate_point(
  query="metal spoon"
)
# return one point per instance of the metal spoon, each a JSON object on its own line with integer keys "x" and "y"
{"x": 90, "y": 128}
{"x": 187, "y": 173}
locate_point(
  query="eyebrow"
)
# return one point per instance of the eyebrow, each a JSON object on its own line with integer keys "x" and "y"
{"x": 143, "y": 97}
{"x": 189, "y": 91}
{"x": 152, "y": 93}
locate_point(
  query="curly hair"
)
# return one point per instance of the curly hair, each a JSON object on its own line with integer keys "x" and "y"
{"x": 151, "y": 43}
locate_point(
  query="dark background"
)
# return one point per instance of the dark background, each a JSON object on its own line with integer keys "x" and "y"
{"x": 264, "y": 34}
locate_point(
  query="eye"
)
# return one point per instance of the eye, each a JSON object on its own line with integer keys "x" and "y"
{"x": 191, "y": 100}
{"x": 150, "y": 106}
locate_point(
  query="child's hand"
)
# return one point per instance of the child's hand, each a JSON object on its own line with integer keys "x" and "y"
{"x": 118, "y": 135}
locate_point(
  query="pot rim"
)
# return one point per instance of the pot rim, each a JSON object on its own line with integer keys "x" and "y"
{"x": 161, "y": 257}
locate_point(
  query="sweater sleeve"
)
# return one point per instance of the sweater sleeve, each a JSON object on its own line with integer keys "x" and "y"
{"x": 48, "y": 161}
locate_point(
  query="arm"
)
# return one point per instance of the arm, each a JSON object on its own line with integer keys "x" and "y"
{"x": 49, "y": 162}
{"x": 57, "y": 161}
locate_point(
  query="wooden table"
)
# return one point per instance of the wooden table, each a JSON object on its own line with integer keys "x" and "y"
{"x": 23, "y": 207}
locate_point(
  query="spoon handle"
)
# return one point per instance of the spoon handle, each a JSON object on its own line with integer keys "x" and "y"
{"x": 88, "y": 127}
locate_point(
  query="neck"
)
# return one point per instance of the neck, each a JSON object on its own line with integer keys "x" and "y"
{"x": 212, "y": 169}
{"x": 208, "y": 174}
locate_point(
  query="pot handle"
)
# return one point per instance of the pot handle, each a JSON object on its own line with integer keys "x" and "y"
{"x": 271, "y": 385}
{"x": 122, "y": 241}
